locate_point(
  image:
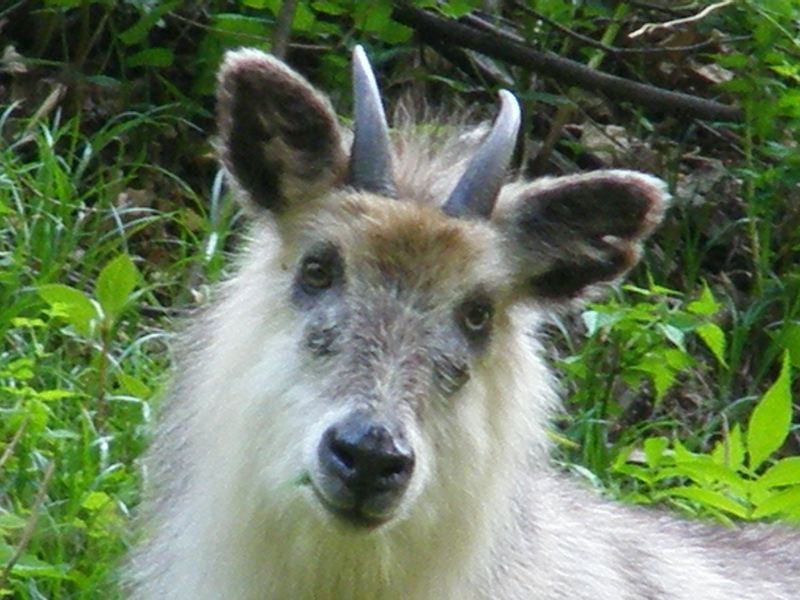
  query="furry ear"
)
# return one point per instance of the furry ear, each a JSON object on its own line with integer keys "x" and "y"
{"x": 568, "y": 233}
{"x": 279, "y": 137}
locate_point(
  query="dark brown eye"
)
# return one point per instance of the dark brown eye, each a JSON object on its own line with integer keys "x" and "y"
{"x": 317, "y": 275}
{"x": 320, "y": 269}
{"x": 475, "y": 317}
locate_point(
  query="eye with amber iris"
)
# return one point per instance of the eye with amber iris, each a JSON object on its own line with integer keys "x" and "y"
{"x": 317, "y": 274}
{"x": 320, "y": 270}
{"x": 475, "y": 318}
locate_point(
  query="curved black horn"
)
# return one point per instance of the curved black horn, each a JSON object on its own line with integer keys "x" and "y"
{"x": 371, "y": 155}
{"x": 476, "y": 192}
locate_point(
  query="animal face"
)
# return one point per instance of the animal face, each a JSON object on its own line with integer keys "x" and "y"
{"x": 388, "y": 361}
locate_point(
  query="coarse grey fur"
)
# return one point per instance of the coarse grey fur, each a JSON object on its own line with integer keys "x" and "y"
{"x": 361, "y": 414}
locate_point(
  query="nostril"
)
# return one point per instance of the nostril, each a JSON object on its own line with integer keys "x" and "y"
{"x": 397, "y": 466}
{"x": 368, "y": 458}
{"x": 343, "y": 453}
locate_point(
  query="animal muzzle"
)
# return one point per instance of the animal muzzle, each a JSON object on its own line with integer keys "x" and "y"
{"x": 365, "y": 467}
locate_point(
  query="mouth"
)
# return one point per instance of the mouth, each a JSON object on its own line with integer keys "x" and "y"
{"x": 358, "y": 515}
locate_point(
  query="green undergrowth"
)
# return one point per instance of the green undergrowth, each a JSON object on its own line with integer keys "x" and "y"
{"x": 83, "y": 318}
{"x": 681, "y": 385}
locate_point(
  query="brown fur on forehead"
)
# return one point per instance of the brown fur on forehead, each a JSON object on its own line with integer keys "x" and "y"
{"x": 405, "y": 243}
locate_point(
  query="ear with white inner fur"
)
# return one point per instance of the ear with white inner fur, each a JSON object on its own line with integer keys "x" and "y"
{"x": 565, "y": 234}
{"x": 279, "y": 137}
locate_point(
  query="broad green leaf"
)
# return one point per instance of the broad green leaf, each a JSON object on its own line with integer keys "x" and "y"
{"x": 233, "y": 30}
{"x": 54, "y": 395}
{"x": 786, "y": 501}
{"x": 791, "y": 341}
{"x": 705, "y": 305}
{"x": 141, "y": 29}
{"x": 95, "y": 501}
{"x": 29, "y": 567}
{"x": 151, "y": 57}
{"x": 708, "y": 498}
{"x": 784, "y": 472}
{"x": 661, "y": 374}
{"x": 272, "y": 5}
{"x": 115, "y": 284}
{"x": 134, "y": 386}
{"x": 730, "y": 450}
{"x": 11, "y": 521}
{"x": 673, "y": 334}
{"x": 456, "y": 9}
{"x": 329, "y": 8}
{"x": 714, "y": 338}
{"x": 654, "y": 448}
{"x": 707, "y": 473}
{"x": 374, "y": 16}
{"x": 304, "y": 19}
{"x": 71, "y": 305}
{"x": 595, "y": 320}
{"x": 771, "y": 418}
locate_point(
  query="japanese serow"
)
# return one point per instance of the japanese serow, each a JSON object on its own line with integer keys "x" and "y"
{"x": 362, "y": 412}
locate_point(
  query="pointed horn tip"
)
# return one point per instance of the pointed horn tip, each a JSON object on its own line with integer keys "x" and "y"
{"x": 371, "y": 154}
{"x": 362, "y": 67}
{"x": 510, "y": 109}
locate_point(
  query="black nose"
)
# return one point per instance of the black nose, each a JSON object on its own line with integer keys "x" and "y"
{"x": 366, "y": 457}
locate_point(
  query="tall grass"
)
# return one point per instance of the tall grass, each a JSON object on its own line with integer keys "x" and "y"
{"x": 83, "y": 352}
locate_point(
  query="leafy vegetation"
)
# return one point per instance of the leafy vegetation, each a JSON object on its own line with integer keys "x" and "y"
{"x": 113, "y": 220}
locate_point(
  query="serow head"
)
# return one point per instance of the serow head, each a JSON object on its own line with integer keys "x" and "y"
{"x": 402, "y": 287}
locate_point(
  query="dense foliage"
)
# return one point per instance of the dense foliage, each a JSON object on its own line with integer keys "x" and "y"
{"x": 113, "y": 220}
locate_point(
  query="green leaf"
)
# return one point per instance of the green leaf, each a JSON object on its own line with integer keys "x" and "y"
{"x": 705, "y": 474}
{"x": 329, "y": 8}
{"x": 784, "y": 472}
{"x": 786, "y": 501}
{"x": 141, "y": 29}
{"x": 654, "y": 448}
{"x": 134, "y": 386}
{"x": 705, "y": 305}
{"x": 234, "y": 30}
{"x": 94, "y": 501}
{"x": 456, "y": 9}
{"x": 304, "y": 19}
{"x": 151, "y": 57}
{"x": 660, "y": 372}
{"x": 709, "y": 498}
{"x": 272, "y": 5}
{"x": 771, "y": 418}
{"x": 673, "y": 334}
{"x": 791, "y": 341}
{"x": 730, "y": 450}
{"x": 115, "y": 284}
{"x": 29, "y": 566}
{"x": 55, "y": 395}
{"x": 714, "y": 338}
{"x": 11, "y": 521}
{"x": 71, "y": 305}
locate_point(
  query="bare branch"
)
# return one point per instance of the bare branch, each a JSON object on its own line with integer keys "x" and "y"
{"x": 714, "y": 39}
{"x": 445, "y": 31}
{"x": 651, "y": 27}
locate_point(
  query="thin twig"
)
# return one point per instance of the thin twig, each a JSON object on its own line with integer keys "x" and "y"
{"x": 659, "y": 7}
{"x": 648, "y": 28}
{"x": 283, "y": 28}
{"x": 713, "y": 41}
{"x": 27, "y": 533}
{"x": 445, "y": 31}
